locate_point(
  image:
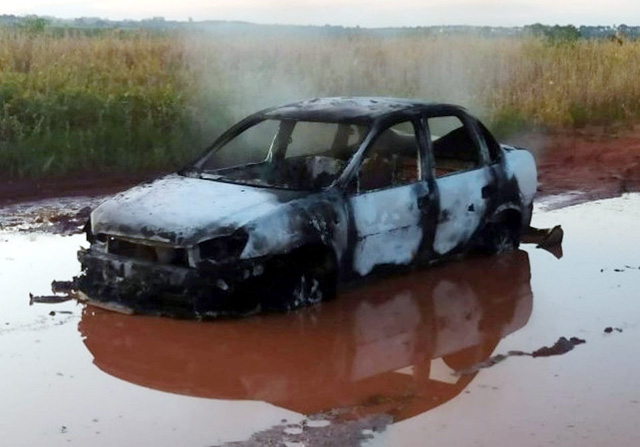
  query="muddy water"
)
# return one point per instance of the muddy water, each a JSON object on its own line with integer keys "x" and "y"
{"x": 394, "y": 347}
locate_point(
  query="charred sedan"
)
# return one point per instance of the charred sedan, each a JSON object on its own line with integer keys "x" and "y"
{"x": 295, "y": 199}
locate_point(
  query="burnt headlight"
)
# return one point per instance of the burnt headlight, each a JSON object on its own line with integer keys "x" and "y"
{"x": 98, "y": 241}
{"x": 223, "y": 248}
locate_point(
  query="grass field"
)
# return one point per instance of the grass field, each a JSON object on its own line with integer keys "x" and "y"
{"x": 139, "y": 101}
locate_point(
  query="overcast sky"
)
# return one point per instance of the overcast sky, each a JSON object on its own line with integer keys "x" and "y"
{"x": 366, "y": 13}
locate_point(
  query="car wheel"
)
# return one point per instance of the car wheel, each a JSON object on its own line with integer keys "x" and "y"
{"x": 308, "y": 288}
{"x": 304, "y": 280}
{"x": 499, "y": 237}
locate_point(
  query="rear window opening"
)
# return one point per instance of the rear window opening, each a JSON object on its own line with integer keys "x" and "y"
{"x": 454, "y": 149}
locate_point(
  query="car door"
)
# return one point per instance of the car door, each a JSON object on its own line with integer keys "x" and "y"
{"x": 387, "y": 199}
{"x": 464, "y": 182}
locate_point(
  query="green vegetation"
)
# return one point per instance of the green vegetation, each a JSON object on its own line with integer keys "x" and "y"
{"x": 136, "y": 100}
{"x": 80, "y": 103}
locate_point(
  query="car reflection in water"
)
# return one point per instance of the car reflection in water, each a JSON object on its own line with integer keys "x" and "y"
{"x": 391, "y": 346}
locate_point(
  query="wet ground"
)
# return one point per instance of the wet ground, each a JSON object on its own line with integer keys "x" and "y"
{"x": 63, "y": 216}
{"x": 591, "y": 162}
{"x": 466, "y": 353}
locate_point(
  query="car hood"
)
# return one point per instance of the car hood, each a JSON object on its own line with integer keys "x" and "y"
{"x": 183, "y": 211}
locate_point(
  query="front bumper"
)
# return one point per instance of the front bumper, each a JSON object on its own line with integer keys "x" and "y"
{"x": 210, "y": 290}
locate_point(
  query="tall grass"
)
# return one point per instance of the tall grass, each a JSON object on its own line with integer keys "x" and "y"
{"x": 72, "y": 102}
{"x": 81, "y": 103}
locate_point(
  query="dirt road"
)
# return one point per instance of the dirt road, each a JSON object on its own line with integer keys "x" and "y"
{"x": 592, "y": 163}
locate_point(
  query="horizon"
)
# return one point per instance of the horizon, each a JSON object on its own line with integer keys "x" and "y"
{"x": 357, "y": 13}
{"x": 268, "y": 24}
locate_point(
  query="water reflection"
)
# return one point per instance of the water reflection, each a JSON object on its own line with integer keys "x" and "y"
{"x": 390, "y": 346}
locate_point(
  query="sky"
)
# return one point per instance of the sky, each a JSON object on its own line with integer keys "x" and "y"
{"x": 364, "y": 13}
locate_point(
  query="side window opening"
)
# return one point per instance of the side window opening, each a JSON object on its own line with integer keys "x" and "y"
{"x": 317, "y": 152}
{"x": 454, "y": 149}
{"x": 393, "y": 160}
{"x": 310, "y": 139}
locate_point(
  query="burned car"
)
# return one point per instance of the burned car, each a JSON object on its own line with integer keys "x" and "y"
{"x": 293, "y": 200}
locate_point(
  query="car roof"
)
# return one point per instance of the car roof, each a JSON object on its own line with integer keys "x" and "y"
{"x": 350, "y": 108}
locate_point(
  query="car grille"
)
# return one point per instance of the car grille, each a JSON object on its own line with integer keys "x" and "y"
{"x": 149, "y": 253}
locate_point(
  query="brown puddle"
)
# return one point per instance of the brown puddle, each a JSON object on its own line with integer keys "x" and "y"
{"x": 376, "y": 366}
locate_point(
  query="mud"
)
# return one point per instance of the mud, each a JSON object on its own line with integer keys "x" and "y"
{"x": 343, "y": 434}
{"x": 590, "y": 163}
{"x": 376, "y": 367}
{"x": 91, "y": 184}
{"x": 562, "y": 346}
{"x": 64, "y": 216}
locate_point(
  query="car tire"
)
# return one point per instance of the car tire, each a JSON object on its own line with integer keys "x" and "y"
{"x": 307, "y": 288}
{"x": 500, "y": 237}
{"x": 304, "y": 279}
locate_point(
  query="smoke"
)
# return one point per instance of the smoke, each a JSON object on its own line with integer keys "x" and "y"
{"x": 244, "y": 69}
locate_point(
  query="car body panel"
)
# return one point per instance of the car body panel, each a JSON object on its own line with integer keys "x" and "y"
{"x": 520, "y": 165}
{"x": 389, "y": 226}
{"x": 462, "y": 208}
{"x": 317, "y": 219}
{"x": 183, "y": 211}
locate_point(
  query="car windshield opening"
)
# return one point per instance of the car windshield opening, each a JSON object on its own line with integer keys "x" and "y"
{"x": 287, "y": 154}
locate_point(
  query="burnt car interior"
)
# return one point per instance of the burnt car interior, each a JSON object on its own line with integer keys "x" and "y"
{"x": 308, "y": 155}
{"x": 393, "y": 159}
{"x": 286, "y": 154}
{"x": 454, "y": 149}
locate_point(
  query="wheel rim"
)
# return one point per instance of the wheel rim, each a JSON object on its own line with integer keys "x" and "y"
{"x": 504, "y": 242}
{"x": 307, "y": 290}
